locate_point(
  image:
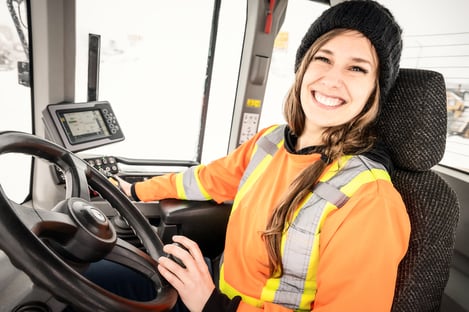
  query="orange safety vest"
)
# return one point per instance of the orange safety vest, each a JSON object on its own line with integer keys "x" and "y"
{"x": 247, "y": 175}
{"x": 296, "y": 288}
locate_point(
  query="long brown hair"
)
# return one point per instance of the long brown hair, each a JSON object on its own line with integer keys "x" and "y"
{"x": 353, "y": 137}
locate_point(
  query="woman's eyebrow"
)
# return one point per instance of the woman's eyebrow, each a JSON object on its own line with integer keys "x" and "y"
{"x": 327, "y": 51}
{"x": 361, "y": 60}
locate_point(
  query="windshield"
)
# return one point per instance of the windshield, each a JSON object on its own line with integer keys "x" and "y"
{"x": 153, "y": 64}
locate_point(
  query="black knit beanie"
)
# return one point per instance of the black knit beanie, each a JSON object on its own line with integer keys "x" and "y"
{"x": 372, "y": 20}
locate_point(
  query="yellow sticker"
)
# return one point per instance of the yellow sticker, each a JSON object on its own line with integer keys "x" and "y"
{"x": 281, "y": 41}
{"x": 253, "y": 103}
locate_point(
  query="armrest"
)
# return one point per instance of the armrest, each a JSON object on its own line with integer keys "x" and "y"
{"x": 202, "y": 221}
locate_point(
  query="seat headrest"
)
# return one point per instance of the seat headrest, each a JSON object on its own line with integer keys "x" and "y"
{"x": 413, "y": 119}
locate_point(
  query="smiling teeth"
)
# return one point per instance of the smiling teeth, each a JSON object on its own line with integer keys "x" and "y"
{"x": 328, "y": 101}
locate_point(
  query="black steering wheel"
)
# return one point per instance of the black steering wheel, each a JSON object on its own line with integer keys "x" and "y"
{"x": 51, "y": 246}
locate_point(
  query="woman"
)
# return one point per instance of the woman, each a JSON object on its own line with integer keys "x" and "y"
{"x": 316, "y": 223}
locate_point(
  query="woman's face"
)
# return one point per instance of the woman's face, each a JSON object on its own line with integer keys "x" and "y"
{"x": 338, "y": 81}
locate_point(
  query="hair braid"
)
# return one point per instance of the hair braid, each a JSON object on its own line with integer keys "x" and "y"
{"x": 354, "y": 137}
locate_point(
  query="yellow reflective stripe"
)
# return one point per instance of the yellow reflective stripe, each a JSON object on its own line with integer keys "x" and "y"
{"x": 231, "y": 292}
{"x": 180, "y": 186}
{"x": 311, "y": 285}
{"x": 309, "y": 290}
{"x": 364, "y": 177}
{"x": 279, "y": 144}
{"x": 272, "y": 284}
{"x": 254, "y": 151}
{"x": 270, "y": 130}
{"x": 259, "y": 167}
{"x": 202, "y": 190}
{"x": 269, "y": 289}
{"x": 335, "y": 167}
{"x": 251, "y": 179}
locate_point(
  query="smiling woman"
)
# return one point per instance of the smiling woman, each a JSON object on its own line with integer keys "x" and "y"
{"x": 337, "y": 84}
{"x": 283, "y": 235}
{"x": 238, "y": 134}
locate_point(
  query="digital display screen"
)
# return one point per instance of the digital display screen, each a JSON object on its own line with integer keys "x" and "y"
{"x": 83, "y": 126}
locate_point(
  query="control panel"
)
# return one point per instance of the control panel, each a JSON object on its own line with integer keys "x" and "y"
{"x": 81, "y": 126}
{"x": 107, "y": 165}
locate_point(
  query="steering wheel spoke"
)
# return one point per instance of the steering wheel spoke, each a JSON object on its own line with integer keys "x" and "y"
{"x": 130, "y": 256}
{"x": 39, "y": 221}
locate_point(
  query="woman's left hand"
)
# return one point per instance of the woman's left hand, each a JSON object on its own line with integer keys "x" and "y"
{"x": 194, "y": 282}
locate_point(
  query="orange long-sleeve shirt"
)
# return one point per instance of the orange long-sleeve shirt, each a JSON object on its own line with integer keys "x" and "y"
{"x": 360, "y": 244}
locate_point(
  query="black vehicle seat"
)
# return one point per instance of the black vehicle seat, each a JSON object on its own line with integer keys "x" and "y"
{"x": 413, "y": 125}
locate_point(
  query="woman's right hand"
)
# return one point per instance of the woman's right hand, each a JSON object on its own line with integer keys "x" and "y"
{"x": 192, "y": 281}
{"x": 123, "y": 185}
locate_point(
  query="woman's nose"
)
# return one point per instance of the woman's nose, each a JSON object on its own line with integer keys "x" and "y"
{"x": 332, "y": 78}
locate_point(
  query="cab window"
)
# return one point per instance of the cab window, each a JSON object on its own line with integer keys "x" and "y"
{"x": 428, "y": 44}
{"x": 16, "y": 94}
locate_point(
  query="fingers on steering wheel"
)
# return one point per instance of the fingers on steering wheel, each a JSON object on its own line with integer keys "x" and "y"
{"x": 178, "y": 254}
{"x": 171, "y": 272}
{"x": 190, "y": 246}
{"x": 114, "y": 181}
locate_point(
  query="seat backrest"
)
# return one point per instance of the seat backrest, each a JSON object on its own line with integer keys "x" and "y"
{"x": 412, "y": 123}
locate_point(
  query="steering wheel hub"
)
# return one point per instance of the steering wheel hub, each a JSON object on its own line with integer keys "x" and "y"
{"x": 98, "y": 215}
{"x": 92, "y": 219}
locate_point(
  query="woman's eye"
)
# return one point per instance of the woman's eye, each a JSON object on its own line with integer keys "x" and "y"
{"x": 359, "y": 69}
{"x": 322, "y": 59}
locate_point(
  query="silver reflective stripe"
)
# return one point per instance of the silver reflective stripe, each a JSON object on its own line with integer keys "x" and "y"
{"x": 299, "y": 243}
{"x": 297, "y": 254}
{"x": 270, "y": 147}
{"x": 191, "y": 187}
{"x": 331, "y": 194}
{"x": 266, "y": 145}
